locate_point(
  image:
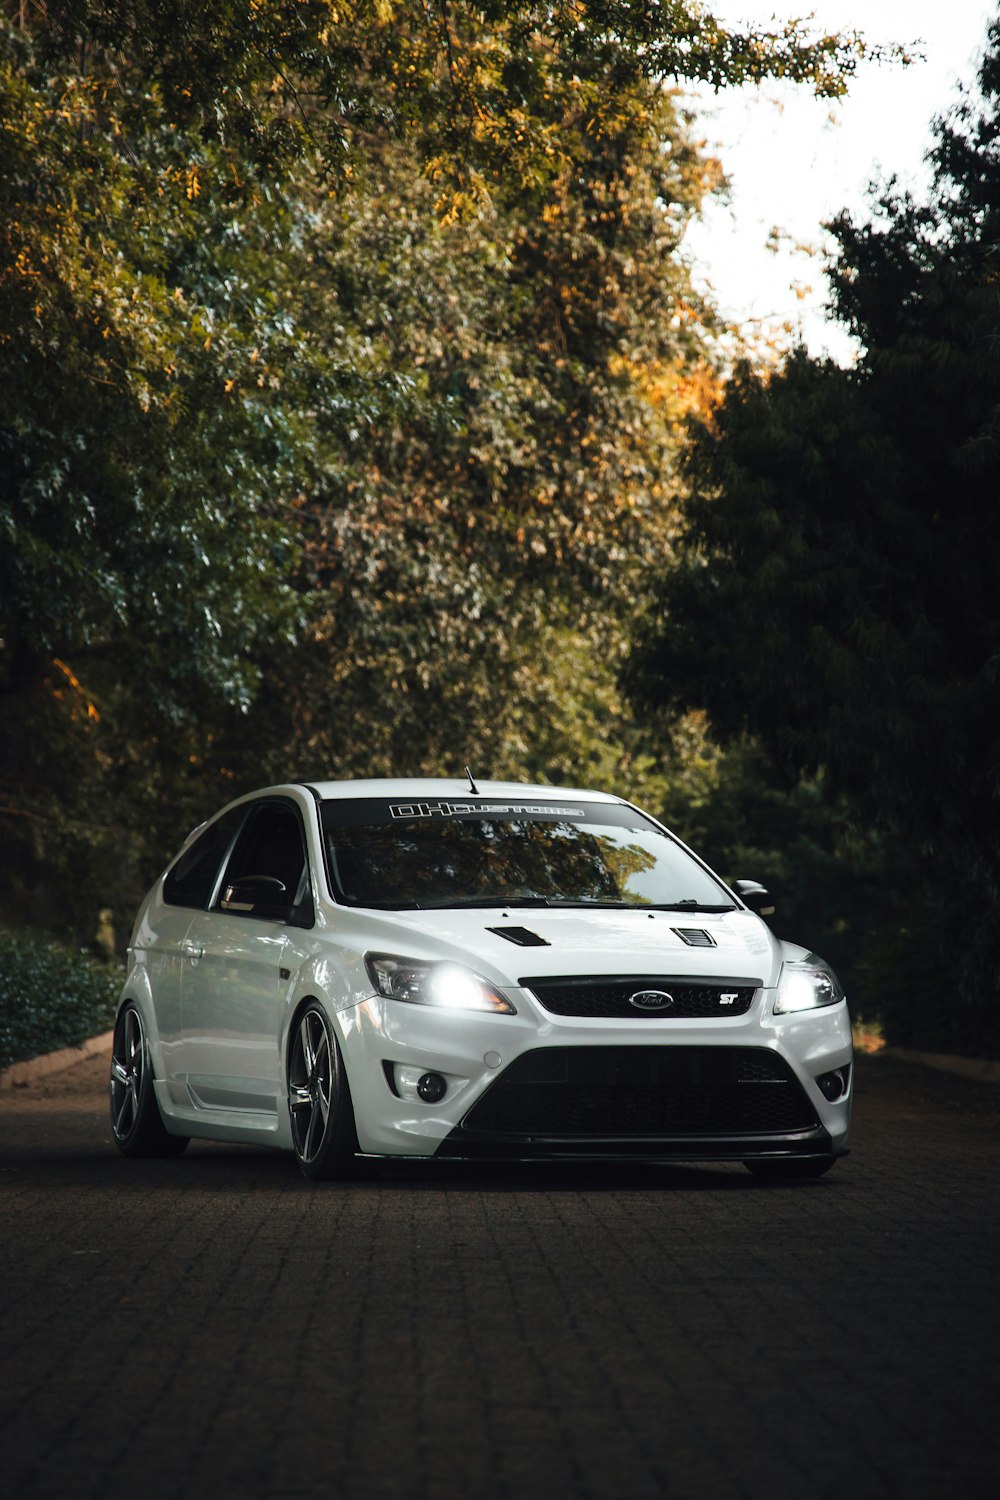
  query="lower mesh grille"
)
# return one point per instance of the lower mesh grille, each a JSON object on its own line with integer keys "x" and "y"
{"x": 644, "y": 1091}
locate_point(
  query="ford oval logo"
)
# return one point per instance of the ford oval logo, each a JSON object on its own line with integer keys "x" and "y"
{"x": 650, "y": 999}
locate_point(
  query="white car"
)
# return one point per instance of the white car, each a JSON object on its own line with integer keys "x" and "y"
{"x": 436, "y": 968}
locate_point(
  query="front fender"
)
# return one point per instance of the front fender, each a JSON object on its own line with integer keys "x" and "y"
{"x": 331, "y": 980}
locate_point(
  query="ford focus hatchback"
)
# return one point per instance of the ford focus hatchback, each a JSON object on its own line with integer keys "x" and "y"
{"x": 436, "y": 968}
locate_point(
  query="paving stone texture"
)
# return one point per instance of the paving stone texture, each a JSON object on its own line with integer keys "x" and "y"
{"x": 217, "y": 1326}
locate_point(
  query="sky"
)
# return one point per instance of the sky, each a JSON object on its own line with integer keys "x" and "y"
{"x": 794, "y": 161}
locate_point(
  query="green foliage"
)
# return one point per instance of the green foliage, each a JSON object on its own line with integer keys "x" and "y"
{"x": 832, "y": 882}
{"x": 141, "y": 429}
{"x": 482, "y": 87}
{"x": 495, "y": 457}
{"x": 837, "y": 594}
{"x": 147, "y": 423}
{"x": 258, "y": 82}
{"x": 51, "y": 996}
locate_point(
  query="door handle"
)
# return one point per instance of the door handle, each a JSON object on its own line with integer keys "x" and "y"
{"x": 193, "y": 951}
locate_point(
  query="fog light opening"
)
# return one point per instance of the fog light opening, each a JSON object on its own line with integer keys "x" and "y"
{"x": 431, "y": 1087}
{"x": 421, "y": 1085}
{"x": 834, "y": 1086}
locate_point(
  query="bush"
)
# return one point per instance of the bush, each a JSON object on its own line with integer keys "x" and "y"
{"x": 51, "y": 996}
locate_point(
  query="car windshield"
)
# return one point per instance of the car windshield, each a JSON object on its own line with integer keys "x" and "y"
{"x": 397, "y": 855}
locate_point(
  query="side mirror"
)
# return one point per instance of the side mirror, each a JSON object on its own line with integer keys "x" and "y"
{"x": 261, "y": 895}
{"x": 756, "y": 896}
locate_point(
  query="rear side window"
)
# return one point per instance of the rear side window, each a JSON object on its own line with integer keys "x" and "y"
{"x": 191, "y": 880}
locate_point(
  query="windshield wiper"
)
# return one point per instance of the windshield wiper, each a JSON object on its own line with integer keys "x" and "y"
{"x": 690, "y": 905}
{"x": 599, "y": 905}
{"x": 595, "y": 903}
{"x": 407, "y": 903}
{"x": 487, "y": 901}
{"x": 397, "y": 903}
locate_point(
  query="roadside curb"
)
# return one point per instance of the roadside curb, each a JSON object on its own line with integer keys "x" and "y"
{"x": 21, "y": 1073}
{"x": 979, "y": 1069}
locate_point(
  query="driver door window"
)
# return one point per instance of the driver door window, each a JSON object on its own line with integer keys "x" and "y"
{"x": 268, "y": 874}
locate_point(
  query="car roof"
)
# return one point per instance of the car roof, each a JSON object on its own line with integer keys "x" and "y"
{"x": 420, "y": 787}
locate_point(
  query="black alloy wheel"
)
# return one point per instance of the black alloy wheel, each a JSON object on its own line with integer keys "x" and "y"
{"x": 319, "y": 1099}
{"x": 136, "y": 1123}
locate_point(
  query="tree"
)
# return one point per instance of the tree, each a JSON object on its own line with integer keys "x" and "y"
{"x": 838, "y": 590}
{"x": 482, "y": 506}
{"x": 197, "y": 451}
{"x": 146, "y": 421}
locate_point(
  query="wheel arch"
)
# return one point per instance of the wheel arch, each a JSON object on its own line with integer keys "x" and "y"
{"x": 138, "y": 991}
{"x": 310, "y": 991}
{"x": 297, "y": 1007}
{"x": 132, "y": 1084}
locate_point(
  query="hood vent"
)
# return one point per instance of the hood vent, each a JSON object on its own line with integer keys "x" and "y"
{"x": 522, "y": 937}
{"x": 695, "y": 937}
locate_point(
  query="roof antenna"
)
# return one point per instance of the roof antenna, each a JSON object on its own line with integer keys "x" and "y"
{"x": 472, "y": 782}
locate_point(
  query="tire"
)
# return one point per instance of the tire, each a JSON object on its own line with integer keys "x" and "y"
{"x": 788, "y": 1169}
{"x": 319, "y": 1100}
{"x": 136, "y": 1123}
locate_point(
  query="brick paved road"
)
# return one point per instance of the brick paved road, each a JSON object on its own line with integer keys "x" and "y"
{"x": 218, "y": 1326}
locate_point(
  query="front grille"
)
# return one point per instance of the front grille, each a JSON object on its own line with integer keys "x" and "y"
{"x": 610, "y": 998}
{"x": 644, "y": 1092}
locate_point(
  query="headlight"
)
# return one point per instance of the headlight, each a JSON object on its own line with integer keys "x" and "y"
{"x": 446, "y": 986}
{"x": 808, "y": 984}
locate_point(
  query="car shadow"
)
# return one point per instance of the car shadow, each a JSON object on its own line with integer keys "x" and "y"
{"x": 571, "y": 1177}
{"x": 224, "y": 1165}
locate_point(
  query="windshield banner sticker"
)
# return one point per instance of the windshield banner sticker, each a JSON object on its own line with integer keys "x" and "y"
{"x": 431, "y": 812}
{"x": 482, "y": 810}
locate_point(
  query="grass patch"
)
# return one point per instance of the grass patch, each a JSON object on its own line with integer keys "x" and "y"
{"x": 51, "y": 996}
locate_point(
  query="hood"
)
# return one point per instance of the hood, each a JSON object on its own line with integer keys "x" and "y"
{"x": 506, "y": 945}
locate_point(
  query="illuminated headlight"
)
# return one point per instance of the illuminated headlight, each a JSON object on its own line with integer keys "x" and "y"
{"x": 446, "y": 986}
{"x": 807, "y": 985}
